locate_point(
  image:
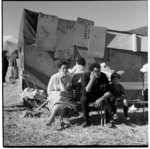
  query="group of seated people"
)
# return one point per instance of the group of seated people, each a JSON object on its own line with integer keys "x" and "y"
{"x": 93, "y": 86}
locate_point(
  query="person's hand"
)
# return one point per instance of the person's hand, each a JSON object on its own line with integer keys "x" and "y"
{"x": 120, "y": 72}
{"x": 98, "y": 102}
{"x": 62, "y": 77}
{"x": 111, "y": 98}
{"x": 92, "y": 77}
{"x": 63, "y": 74}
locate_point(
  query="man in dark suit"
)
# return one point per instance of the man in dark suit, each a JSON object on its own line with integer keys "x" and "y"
{"x": 96, "y": 88}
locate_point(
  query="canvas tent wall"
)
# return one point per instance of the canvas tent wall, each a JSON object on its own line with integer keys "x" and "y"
{"x": 41, "y": 64}
{"x": 10, "y": 44}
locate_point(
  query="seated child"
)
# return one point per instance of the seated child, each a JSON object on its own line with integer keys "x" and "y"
{"x": 118, "y": 93}
{"x": 77, "y": 72}
{"x": 79, "y": 67}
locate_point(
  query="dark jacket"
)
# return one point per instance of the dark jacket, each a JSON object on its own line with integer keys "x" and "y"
{"x": 4, "y": 61}
{"x": 117, "y": 90}
{"x": 99, "y": 87}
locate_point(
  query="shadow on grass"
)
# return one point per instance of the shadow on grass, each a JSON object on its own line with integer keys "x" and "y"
{"x": 13, "y": 108}
{"x": 136, "y": 118}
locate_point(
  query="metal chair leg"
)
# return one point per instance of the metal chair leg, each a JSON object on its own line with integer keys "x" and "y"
{"x": 144, "y": 111}
{"x": 98, "y": 113}
{"x": 104, "y": 114}
{"x": 103, "y": 110}
{"x": 101, "y": 115}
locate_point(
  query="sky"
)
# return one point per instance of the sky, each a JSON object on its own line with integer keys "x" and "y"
{"x": 115, "y": 15}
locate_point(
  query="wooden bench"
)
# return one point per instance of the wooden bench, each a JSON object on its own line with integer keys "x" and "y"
{"x": 128, "y": 86}
{"x": 136, "y": 86}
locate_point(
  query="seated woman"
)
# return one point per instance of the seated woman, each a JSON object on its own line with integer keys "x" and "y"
{"x": 59, "y": 92}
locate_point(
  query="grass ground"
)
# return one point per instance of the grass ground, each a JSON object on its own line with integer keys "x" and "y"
{"x": 19, "y": 131}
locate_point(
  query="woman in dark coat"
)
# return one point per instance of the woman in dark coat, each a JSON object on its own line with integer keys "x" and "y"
{"x": 5, "y": 65}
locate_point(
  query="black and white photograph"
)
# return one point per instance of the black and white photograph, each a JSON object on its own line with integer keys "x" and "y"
{"x": 75, "y": 74}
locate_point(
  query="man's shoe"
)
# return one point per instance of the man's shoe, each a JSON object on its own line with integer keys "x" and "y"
{"x": 115, "y": 116}
{"x": 85, "y": 124}
{"x": 127, "y": 118}
{"x": 133, "y": 108}
{"x": 66, "y": 122}
{"x": 111, "y": 124}
{"x": 64, "y": 125}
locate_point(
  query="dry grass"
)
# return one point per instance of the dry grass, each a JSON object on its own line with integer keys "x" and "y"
{"x": 33, "y": 131}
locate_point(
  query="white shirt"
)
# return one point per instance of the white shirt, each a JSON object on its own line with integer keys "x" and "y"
{"x": 77, "y": 69}
{"x": 54, "y": 82}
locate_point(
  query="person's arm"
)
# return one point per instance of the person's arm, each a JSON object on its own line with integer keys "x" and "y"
{"x": 106, "y": 94}
{"x": 50, "y": 85}
{"x": 70, "y": 84}
{"x": 86, "y": 83}
{"x": 98, "y": 102}
{"x": 90, "y": 83}
{"x": 65, "y": 82}
{"x": 122, "y": 92}
{"x": 63, "y": 87}
{"x": 73, "y": 70}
